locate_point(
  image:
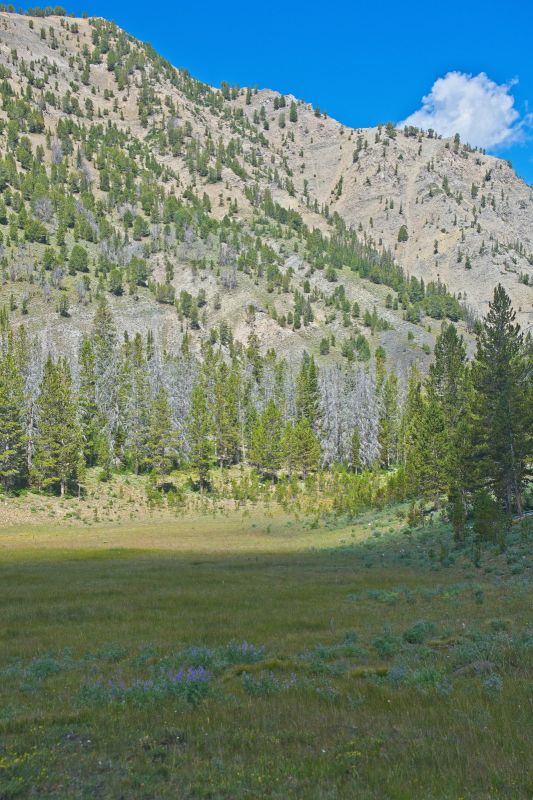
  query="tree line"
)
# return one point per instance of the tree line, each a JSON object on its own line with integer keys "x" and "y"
{"x": 461, "y": 436}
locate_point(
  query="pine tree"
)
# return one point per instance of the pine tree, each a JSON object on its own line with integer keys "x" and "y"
{"x": 308, "y": 393}
{"x": 446, "y": 374}
{"x": 288, "y": 449}
{"x": 104, "y": 333}
{"x": 266, "y": 446}
{"x": 410, "y": 446}
{"x": 253, "y": 354}
{"x": 225, "y": 412}
{"x": 389, "y": 421}
{"x": 381, "y": 372}
{"x": 427, "y": 470}
{"x": 403, "y": 235}
{"x": 104, "y": 457}
{"x": 12, "y": 424}
{"x": 411, "y": 407}
{"x": 79, "y": 260}
{"x": 104, "y": 339}
{"x": 355, "y": 451}
{"x": 90, "y": 418}
{"x": 490, "y": 522}
{"x": 448, "y": 387}
{"x": 502, "y": 407}
{"x": 422, "y": 436}
{"x": 161, "y": 445}
{"x": 58, "y": 456}
{"x": 200, "y": 436}
{"x": 134, "y": 403}
{"x": 293, "y": 113}
{"x": 305, "y": 448}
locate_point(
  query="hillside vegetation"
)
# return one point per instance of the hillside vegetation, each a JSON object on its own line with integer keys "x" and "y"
{"x": 193, "y": 207}
{"x": 178, "y": 296}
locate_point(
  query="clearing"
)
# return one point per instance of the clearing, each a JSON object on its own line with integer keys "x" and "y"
{"x": 252, "y": 654}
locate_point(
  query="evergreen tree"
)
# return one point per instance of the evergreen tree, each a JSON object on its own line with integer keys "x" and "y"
{"x": 90, "y": 418}
{"x": 389, "y": 421}
{"x": 411, "y": 444}
{"x": 162, "y": 443}
{"x": 58, "y": 456}
{"x": 226, "y": 414}
{"x": 293, "y": 113}
{"x": 104, "y": 333}
{"x": 355, "y": 451}
{"x": 403, "y": 235}
{"x": 104, "y": 338}
{"x": 308, "y": 392}
{"x": 79, "y": 260}
{"x": 446, "y": 374}
{"x": 134, "y": 403}
{"x": 104, "y": 457}
{"x": 490, "y": 522}
{"x": 200, "y": 431}
{"x": 502, "y": 404}
{"x": 448, "y": 387}
{"x": 266, "y": 446}
{"x": 304, "y": 447}
{"x": 427, "y": 468}
{"x": 12, "y": 423}
{"x": 253, "y": 354}
{"x": 288, "y": 449}
{"x": 411, "y": 408}
{"x": 381, "y": 372}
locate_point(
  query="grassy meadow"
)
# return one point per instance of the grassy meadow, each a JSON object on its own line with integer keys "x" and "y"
{"x": 255, "y": 654}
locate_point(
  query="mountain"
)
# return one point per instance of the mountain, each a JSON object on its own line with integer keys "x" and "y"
{"x": 235, "y": 212}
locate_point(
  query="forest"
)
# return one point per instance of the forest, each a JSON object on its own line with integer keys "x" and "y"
{"x": 459, "y": 437}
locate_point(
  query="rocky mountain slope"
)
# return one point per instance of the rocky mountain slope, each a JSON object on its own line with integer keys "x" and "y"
{"x": 235, "y": 212}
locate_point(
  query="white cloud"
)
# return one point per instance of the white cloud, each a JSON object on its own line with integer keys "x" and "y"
{"x": 481, "y": 111}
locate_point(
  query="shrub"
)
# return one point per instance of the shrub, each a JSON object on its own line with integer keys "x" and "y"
{"x": 387, "y": 645}
{"x": 79, "y": 260}
{"x": 429, "y": 678}
{"x": 419, "y": 632}
{"x": 403, "y": 236}
{"x": 266, "y": 682}
{"x": 190, "y": 685}
{"x": 493, "y": 685}
{"x": 243, "y": 653}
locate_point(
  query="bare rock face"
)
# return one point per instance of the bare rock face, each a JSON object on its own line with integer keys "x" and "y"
{"x": 467, "y": 216}
{"x": 448, "y": 213}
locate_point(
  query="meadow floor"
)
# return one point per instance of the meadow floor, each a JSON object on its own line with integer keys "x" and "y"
{"x": 255, "y": 655}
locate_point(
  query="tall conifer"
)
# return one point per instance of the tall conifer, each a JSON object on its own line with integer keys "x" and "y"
{"x": 58, "y": 456}
{"x": 200, "y": 436}
{"x": 502, "y": 407}
{"x": 161, "y": 445}
{"x": 12, "y": 423}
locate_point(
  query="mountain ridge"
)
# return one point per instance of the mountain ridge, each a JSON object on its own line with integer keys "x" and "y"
{"x": 239, "y": 151}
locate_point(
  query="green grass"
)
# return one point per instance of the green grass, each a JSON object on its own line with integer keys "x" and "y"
{"x": 378, "y": 664}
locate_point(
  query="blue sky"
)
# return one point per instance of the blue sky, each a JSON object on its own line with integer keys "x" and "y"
{"x": 363, "y": 63}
